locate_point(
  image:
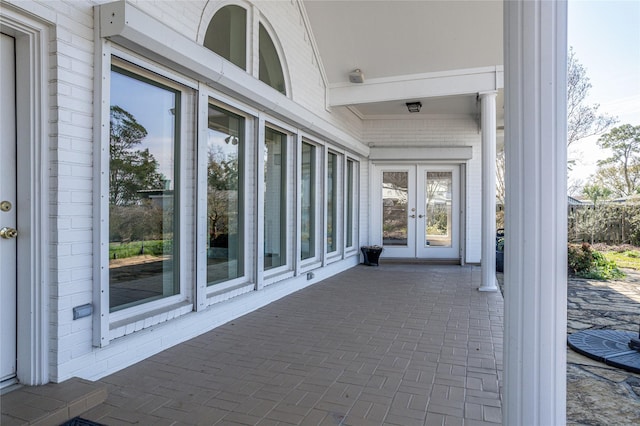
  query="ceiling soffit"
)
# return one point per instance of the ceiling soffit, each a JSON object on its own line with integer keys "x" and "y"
{"x": 408, "y": 51}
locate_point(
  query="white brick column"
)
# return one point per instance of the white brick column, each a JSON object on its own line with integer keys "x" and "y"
{"x": 488, "y": 126}
{"x": 535, "y": 39}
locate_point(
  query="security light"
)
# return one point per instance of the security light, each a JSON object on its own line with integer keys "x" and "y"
{"x": 414, "y": 106}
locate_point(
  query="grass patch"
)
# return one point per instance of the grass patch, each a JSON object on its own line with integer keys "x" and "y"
{"x": 626, "y": 259}
{"x": 137, "y": 248}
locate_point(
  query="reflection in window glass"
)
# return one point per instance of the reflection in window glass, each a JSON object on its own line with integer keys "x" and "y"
{"x": 438, "y": 208}
{"x": 275, "y": 213}
{"x": 225, "y": 144}
{"x": 332, "y": 202}
{"x": 142, "y": 180}
{"x": 395, "y": 194}
{"x": 307, "y": 199}
{"x": 227, "y": 35}
{"x": 270, "y": 68}
{"x": 350, "y": 183}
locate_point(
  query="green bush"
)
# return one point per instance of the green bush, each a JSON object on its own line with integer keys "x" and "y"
{"x": 585, "y": 262}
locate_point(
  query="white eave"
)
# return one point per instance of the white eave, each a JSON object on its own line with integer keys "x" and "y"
{"x": 427, "y": 85}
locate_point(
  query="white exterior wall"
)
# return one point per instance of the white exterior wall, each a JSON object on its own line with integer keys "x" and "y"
{"x": 71, "y": 180}
{"x": 72, "y": 145}
{"x": 439, "y": 131}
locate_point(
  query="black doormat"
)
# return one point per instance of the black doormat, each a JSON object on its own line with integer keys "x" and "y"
{"x": 608, "y": 346}
{"x": 78, "y": 421}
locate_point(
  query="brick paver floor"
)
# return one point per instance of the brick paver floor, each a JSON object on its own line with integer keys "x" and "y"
{"x": 396, "y": 344}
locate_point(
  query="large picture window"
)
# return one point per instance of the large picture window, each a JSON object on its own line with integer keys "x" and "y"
{"x": 143, "y": 145}
{"x": 275, "y": 199}
{"x": 350, "y": 202}
{"x": 332, "y": 203}
{"x": 308, "y": 202}
{"x": 225, "y": 146}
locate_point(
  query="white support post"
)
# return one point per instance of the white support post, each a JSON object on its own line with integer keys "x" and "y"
{"x": 488, "y": 126}
{"x": 536, "y": 212}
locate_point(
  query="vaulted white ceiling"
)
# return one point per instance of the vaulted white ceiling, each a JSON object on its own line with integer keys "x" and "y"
{"x": 436, "y": 52}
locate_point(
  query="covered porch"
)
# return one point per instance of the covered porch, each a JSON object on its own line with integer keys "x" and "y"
{"x": 398, "y": 344}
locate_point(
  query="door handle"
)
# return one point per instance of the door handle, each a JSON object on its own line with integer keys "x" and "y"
{"x": 421, "y": 216}
{"x": 412, "y": 215}
{"x": 8, "y": 233}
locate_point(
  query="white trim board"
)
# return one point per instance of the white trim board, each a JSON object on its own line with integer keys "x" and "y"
{"x": 421, "y": 153}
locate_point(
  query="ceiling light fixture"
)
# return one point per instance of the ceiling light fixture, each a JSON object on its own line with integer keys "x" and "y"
{"x": 356, "y": 76}
{"x": 414, "y": 106}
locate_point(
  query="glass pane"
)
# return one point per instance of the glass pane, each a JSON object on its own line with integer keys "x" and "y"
{"x": 270, "y": 70}
{"x": 275, "y": 202}
{"x": 225, "y": 144}
{"x": 438, "y": 209}
{"x": 394, "y": 208}
{"x": 227, "y": 35}
{"x": 350, "y": 203}
{"x": 308, "y": 201}
{"x": 142, "y": 179}
{"x": 332, "y": 202}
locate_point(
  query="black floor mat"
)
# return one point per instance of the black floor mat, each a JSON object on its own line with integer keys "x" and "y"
{"x": 78, "y": 421}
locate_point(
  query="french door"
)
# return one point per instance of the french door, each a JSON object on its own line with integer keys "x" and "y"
{"x": 8, "y": 217}
{"x": 419, "y": 211}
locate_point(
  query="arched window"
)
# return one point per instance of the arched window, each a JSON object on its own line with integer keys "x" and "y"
{"x": 227, "y": 35}
{"x": 270, "y": 68}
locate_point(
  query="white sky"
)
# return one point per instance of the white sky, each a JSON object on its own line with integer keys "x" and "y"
{"x": 605, "y": 35}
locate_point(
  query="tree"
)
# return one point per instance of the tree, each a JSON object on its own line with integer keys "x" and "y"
{"x": 620, "y": 173}
{"x": 582, "y": 120}
{"x": 222, "y": 192}
{"x": 131, "y": 170}
{"x": 595, "y": 193}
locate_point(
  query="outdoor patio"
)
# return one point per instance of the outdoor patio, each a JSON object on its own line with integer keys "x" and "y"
{"x": 398, "y": 344}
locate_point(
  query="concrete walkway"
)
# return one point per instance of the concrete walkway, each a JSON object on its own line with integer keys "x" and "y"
{"x": 393, "y": 345}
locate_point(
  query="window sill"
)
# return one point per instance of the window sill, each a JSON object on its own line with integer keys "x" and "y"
{"x": 229, "y": 293}
{"x": 139, "y": 322}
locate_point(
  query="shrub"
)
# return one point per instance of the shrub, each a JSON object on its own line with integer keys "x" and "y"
{"x": 585, "y": 262}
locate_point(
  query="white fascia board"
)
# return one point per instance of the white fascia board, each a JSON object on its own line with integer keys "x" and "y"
{"x": 421, "y": 153}
{"x": 130, "y": 27}
{"x": 416, "y": 86}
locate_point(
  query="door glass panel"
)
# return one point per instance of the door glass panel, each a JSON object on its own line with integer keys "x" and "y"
{"x": 394, "y": 208}
{"x": 307, "y": 200}
{"x": 438, "y": 209}
{"x": 144, "y": 129}
{"x": 275, "y": 202}
{"x": 225, "y": 143}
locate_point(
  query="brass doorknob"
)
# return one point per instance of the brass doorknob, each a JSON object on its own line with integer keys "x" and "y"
{"x": 8, "y": 233}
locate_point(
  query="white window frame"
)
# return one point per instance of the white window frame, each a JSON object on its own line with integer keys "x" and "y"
{"x": 336, "y": 255}
{"x": 252, "y": 25}
{"x": 315, "y": 261}
{"x": 353, "y": 248}
{"x": 267, "y": 277}
{"x": 110, "y": 325}
{"x": 208, "y": 295}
